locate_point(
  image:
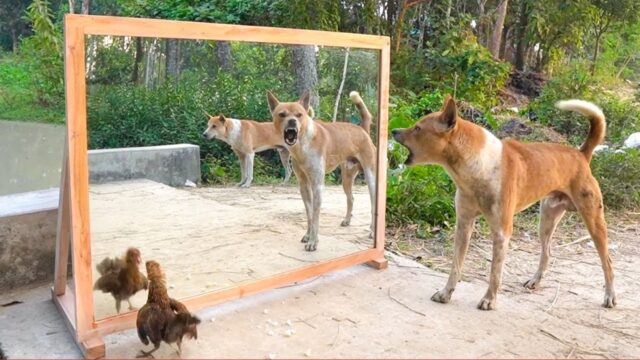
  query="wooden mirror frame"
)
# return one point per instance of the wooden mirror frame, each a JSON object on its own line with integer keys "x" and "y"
{"x": 76, "y": 306}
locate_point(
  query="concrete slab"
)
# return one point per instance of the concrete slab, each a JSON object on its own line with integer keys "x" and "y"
{"x": 167, "y": 164}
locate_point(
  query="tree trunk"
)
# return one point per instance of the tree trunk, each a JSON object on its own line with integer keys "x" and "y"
{"x": 494, "y": 48}
{"x": 173, "y": 59}
{"x": 344, "y": 77}
{"x": 595, "y": 53}
{"x": 86, "y": 4}
{"x": 72, "y": 6}
{"x": 481, "y": 22}
{"x": 423, "y": 26}
{"x": 304, "y": 66}
{"x": 506, "y": 33}
{"x": 523, "y": 23}
{"x": 14, "y": 40}
{"x": 135, "y": 76}
{"x": 223, "y": 53}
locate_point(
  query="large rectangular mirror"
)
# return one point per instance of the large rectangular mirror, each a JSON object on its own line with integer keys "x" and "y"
{"x": 187, "y": 166}
{"x": 173, "y": 155}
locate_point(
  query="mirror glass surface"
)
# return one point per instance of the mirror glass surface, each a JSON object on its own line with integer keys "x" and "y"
{"x": 158, "y": 185}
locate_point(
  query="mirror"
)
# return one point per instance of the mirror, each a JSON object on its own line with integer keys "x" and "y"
{"x": 186, "y": 166}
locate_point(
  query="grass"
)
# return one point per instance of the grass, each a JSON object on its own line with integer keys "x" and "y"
{"x": 18, "y": 100}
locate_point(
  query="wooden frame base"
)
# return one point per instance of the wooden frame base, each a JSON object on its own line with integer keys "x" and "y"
{"x": 74, "y": 235}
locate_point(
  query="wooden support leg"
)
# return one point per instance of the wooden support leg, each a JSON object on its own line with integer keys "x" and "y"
{"x": 63, "y": 235}
{"x": 379, "y": 264}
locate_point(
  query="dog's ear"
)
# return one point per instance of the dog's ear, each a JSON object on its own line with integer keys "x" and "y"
{"x": 273, "y": 101}
{"x": 305, "y": 99}
{"x": 221, "y": 118}
{"x": 449, "y": 113}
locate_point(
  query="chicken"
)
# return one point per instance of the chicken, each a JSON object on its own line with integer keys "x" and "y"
{"x": 121, "y": 277}
{"x": 163, "y": 318}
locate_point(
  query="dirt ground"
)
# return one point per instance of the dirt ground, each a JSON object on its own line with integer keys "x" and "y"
{"x": 361, "y": 312}
{"x": 574, "y": 285}
{"x": 210, "y": 238}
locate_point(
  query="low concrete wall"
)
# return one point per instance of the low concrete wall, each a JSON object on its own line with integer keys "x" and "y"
{"x": 28, "y": 221}
{"x": 169, "y": 164}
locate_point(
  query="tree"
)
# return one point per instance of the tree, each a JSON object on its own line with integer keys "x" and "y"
{"x": 496, "y": 37}
{"x": 223, "y": 54}
{"x": 523, "y": 23}
{"x": 12, "y": 21}
{"x": 604, "y": 13}
{"x": 305, "y": 69}
{"x": 172, "y": 57}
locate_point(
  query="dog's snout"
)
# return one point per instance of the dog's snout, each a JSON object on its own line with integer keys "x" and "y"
{"x": 291, "y": 123}
{"x": 395, "y": 132}
{"x": 204, "y": 134}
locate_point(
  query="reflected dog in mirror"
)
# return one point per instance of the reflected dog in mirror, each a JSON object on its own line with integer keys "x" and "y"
{"x": 246, "y": 138}
{"x": 317, "y": 147}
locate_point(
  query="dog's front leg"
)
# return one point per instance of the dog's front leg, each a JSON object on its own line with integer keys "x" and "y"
{"x": 285, "y": 160}
{"x": 317, "y": 183}
{"x": 465, "y": 219}
{"x": 500, "y": 235}
{"x": 243, "y": 167}
{"x": 370, "y": 177}
{"x": 307, "y": 196}
{"x": 248, "y": 171}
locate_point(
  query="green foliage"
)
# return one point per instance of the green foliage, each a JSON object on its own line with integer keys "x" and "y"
{"x": 456, "y": 64}
{"x": 619, "y": 178}
{"x": 418, "y": 194}
{"x": 623, "y": 116}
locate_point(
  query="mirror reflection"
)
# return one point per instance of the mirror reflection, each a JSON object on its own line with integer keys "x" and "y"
{"x": 193, "y": 165}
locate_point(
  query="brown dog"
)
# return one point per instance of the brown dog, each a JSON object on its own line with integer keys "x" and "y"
{"x": 500, "y": 178}
{"x": 246, "y": 138}
{"x": 317, "y": 147}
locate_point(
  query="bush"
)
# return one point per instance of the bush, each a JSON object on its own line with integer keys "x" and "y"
{"x": 419, "y": 194}
{"x": 619, "y": 178}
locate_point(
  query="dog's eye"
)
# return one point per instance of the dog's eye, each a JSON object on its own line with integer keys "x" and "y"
{"x": 416, "y": 129}
{"x": 282, "y": 114}
{"x": 213, "y": 126}
{"x": 299, "y": 115}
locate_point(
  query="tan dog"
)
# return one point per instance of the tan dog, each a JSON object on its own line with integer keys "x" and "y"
{"x": 500, "y": 178}
{"x": 246, "y": 138}
{"x": 317, "y": 147}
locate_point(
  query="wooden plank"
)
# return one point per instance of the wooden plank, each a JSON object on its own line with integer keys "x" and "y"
{"x": 381, "y": 198}
{"x": 78, "y": 175}
{"x": 93, "y": 347}
{"x": 67, "y": 307}
{"x": 127, "y": 320}
{"x": 156, "y": 28}
{"x": 63, "y": 234}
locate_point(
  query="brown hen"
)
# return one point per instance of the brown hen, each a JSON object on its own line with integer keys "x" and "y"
{"x": 121, "y": 277}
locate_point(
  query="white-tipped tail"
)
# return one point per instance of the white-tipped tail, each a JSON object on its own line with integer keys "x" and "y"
{"x": 596, "y": 119}
{"x": 355, "y": 97}
{"x": 580, "y": 106}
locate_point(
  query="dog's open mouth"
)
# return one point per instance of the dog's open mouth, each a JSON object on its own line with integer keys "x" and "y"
{"x": 290, "y": 136}
{"x": 409, "y": 160}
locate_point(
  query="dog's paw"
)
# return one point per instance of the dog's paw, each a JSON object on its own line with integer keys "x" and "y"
{"x": 443, "y": 296}
{"x": 487, "y": 304}
{"x": 311, "y": 246}
{"x": 245, "y": 185}
{"x": 345, "y": 222}
{"x": 533, "y": 283}
{"x": 609, "y": 300}
{"x": 305, "y": 238}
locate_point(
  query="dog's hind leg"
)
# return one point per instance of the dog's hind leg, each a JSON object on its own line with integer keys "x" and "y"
{"x": 285, "y": 159}
{"x": 248, "y": 171}
{"x": 465, "y": 218}
{"x": 370, "y": 178}
{"x": 551, "y": 211}
{"x": 349, "y": 171}
{"x": 588, "y": 201}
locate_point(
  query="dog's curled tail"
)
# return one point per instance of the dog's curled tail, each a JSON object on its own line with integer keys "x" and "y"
{"x": 596, "y": 118}
{"x": 362, "y": 108}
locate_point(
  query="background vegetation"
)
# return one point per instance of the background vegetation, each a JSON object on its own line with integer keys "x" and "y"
{"x": 505, "y": 61}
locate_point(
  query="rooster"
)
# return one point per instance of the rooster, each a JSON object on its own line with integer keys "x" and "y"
{"x": 121, "y": 277}
{"x": 163, "y": 318}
